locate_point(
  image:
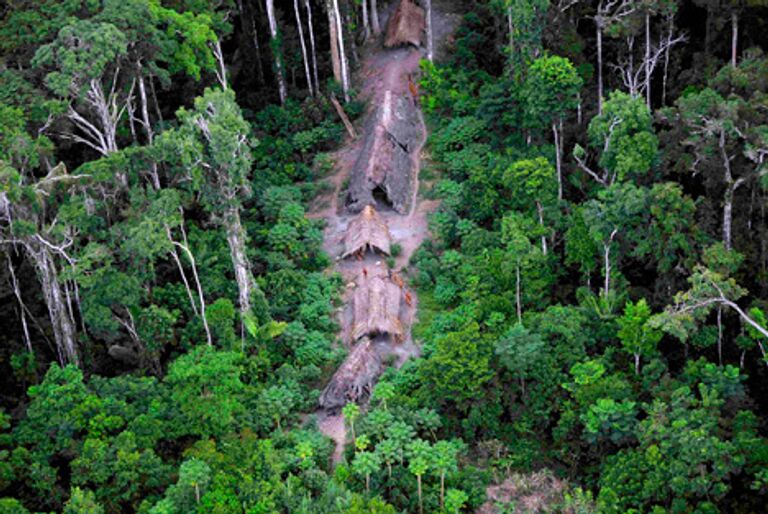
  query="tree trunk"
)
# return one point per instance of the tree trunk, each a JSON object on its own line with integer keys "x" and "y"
{"x": 607, "y": 263}
{"x": 430, "y": 43}
{"x": 366, "y": 26}
{"x": 670, "y": 21}
{"x": 22, "y": 307}
{"x": 518, "y": 293}
{"x": 61, "y": 320}
{"x": 599, "y": 25}
{"x": 510, "y": 30}
{"x": 199, "y": 311}
{"x": 342, "y": 56}
{"x": 720, "y": 335}
{"x": 540, "y": 211}
{"x": 730, "y": 189}
{"x": 648, "y": 59}
{"x": 375, "y": 25}
{"x": 303, "y": 48}
{"x": 442, "y": 489}
{"x": 242, "y": 268}
{"x": 334, "y": 35}
{"x": 312, "y": 45}
{"x": 728, "y": 215}
{"x": 734, "y": 37}
{"x": 277, "y": 52}
{"x": 558, "y": 159}
{"x": 221, "y": 68}
{"x": 421, "y": 502}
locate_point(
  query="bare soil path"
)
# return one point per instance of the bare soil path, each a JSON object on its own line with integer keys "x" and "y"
{"x": 382, "y": 70}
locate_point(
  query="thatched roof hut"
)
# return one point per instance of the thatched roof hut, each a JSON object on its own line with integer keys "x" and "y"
{"x": 355, "y": 377}
{"x": 386, "y": 161}
{"x": 376, "y": 308}
{"x": 406, "y": 25}
{"x": 368, "y": 231}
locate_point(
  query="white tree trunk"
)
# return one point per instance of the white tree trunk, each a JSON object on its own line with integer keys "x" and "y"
{"x": 61, "y": 320}
{"x": 720, "y": 335}
{"x": 198, "y": 310}
{"x": 312, "y": 45}
{"x": 648, "y": 59}
{"x": 670, "y": 22}
{"x": 540, "y": 211}
{"x": 279, "y": 71}
{"x": 558, "y": 158}
{"x": 366, "y": 25}
{"x": 599, "y": 24}
{"x": 375, "y": 25}
{"x": 303, "y": 48}
{"x": 607, "y": 269}
{"x": 734, "y": 37}
{"x": 518, "y": 293}
{"x": 240, "y": 264}
{"x": 334, "y": 37}
{"x": 430, "y": 43}
{"x": 221, "y": 68}
{"x": 342, "y": 55}
{"x": 728, "y": 216}
{"x": 22, "y": 307}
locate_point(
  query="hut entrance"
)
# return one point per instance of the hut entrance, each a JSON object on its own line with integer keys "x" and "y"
{"x": 383, "y": 203}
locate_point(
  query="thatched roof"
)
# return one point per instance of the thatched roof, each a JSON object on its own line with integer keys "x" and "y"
{"x": 377, "y": 308}
{"x": 406, "y": 25}
{"x": 386, "y": 160}
{"x": 355, "y": 377}
{"x": 367, "y": 231}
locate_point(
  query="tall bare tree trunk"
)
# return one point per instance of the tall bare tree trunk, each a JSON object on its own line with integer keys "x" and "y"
{"x": 734, "y": 37}
{"x": 731, "y": 186}
{"x": 312, "y": 45}
{"x": 277, "y": 52}
{"x": 61, "y": 320}
{"x": 430, "y": 44}
{"x": 375, "y": 25}
{"x": 303, "y": 48}
{"x": 648, "y": 59}
{"x": 334, "y": 35}
{"x": 184, "y": 247}
{"x": 518, "y": 293}
{"x": 558, "y": 158}
{"x": 240, "y": 264}
{"x": 599, "y": 24}
{"x": 342, "y": 56}
{"x": 540, "y": 211}
{"x": 366, "y": 25}
{"x": 670, "y": 22}
{"x": 22, "y": 307}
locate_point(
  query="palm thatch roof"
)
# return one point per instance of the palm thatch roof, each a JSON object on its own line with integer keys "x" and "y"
{"x": 355, "y": 377}
{"x": 376, "y": 308}
{"x": 368, "y": 231}
{"x": 386, "y": 160}
{"x": 406, "y": 25}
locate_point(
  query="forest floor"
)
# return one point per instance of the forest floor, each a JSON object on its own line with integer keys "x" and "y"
{"x": 382, "y": 70}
